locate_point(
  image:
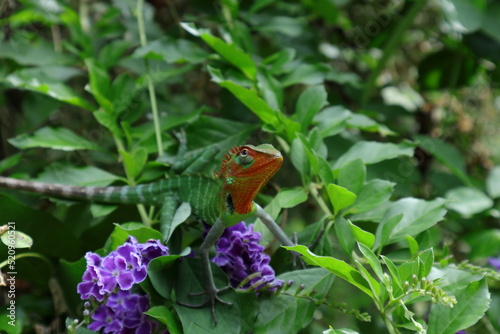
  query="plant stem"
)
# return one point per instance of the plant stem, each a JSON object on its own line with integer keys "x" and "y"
{"x": 319, "y": 199}
{"x": 140, "y": 207}
{"x": 388, "y": 323}
{"x": 28, "y": 254}
{"x": 389, "y": 49}
{"x": 151, "y": 88}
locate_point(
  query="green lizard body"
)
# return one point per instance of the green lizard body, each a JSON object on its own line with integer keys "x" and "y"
{"x": 227, "y": 195}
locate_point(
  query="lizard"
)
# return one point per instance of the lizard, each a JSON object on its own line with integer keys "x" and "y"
{"x": 223, "y": 200}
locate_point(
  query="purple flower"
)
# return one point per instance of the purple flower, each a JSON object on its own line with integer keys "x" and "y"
{"x": 495, "y": 262}
{"x": 239, "y": 254}
{"x": 120, "y": 269}
{"x": 152, "y": 249}
{"x": 91, "y": 280}
{"x": 122, "y": 313}
{"x": 109, "y": 280}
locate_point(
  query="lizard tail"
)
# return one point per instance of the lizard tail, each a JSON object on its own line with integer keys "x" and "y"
{"x": 95, "y": 194}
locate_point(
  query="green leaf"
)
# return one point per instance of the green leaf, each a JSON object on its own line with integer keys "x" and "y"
{"x": 325, "y": 171}
{"x": 493, "y": 182}
{"x": 108, "y": 120}
{"x": 56, "y": 90}
{"x": 270, "y": 89}
{"x": 167, "y": 317}
{"x": 332, "y": 120}
{"x": 48, "y": 74}
{"x": 54, "y": 138}
{"x": 70, "y": 274}
{"x": 352, "y": 175}
{"x": 408, "y": 269}
{"x": 373, "y": 152}
{"x": 340, "y": 197}
{"x": 490, "y": 23}
{"x": 129, "y": 164}
{"x": 191, "y": 278}
{"x": 32, "y": 51}
{"x": 393, "y": 270}
{"x": 300, "y": 160}
{"x": 372, "y": 195}
{"x": 340, "y": 331}
{"x": 311, "y": 155}
{"x": 253, "y": 102}
{"x": 345, "y": 234}
{"x": 316, "y": 144}
{"x": 365, "y": 123}
{"x": 362, "y": 236}
{"x": 83, "y": 176}
{"x": 310, "y": 102}
{"x": 111, "y": 53}
{"x": 447, "y": 154}
{"x": 288, "y": 198}
{"x": 426, "y": 259}
{"x": 416, "y": 216}
{"x": 233, "y": 54}
{"x": 10, "y": 161}
{"x": 120, "y": 234}
{"x": 134, "y": 163}
{"x": 467, "y": 201}
{"x": 484, "y": 243}
{"x": 181, "y": 214}
{"x": 279, "y": 60}
{"x": 287, "y": 314}
{"x": 464, "y": 15}
{"x": 100, "y": 84}
{"x": 306, "y": 74}
{"x": 260, "y": 108}
{"x": 372, "y": 282}
{"x": 172, "y": 50}
{"x": 160, "y": 271}
{"x": 373, "y": 260}
{"x": 100, "y": 210}
{"x": 413, "y": 245}
{"x": 285, "y": 25}
{"x": 16, "y": 239}
{"x": 52, "y": 238}
{"x": 473, "y": 299}
{"x": 338, "y": 267}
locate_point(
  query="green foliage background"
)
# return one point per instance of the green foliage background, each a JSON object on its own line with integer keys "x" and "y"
{"x": 387, "y": 114}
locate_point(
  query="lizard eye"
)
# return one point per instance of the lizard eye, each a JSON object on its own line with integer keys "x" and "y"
{"x": 245, "y": 157}
{"x": 244, "y": 153}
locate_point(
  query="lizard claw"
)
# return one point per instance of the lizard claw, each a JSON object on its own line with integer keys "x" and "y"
{"x": 212, "y": 297}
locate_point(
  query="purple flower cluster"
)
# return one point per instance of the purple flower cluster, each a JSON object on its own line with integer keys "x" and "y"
{"x": 495, "y": 262}
{"x": 240, "y": 255}
{"x": 122, "y": 313}
{"x": 110, "y": 279}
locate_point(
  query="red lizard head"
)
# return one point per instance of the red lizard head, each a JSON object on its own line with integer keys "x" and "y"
{"x": 244, "y": 172}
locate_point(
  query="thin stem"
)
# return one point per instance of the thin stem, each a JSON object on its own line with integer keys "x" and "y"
{"x": 56, "y": 38}
{"x": 388, "y": 323}
{"x": 28, "y": 254}
{"x": 389, "y": 49}
{"x": 319, "y": 199}
{"x": 84, "y": 16}
{"x": 151, "y": 88}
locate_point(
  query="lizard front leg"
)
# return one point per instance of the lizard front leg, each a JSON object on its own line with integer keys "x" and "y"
{"x": 210, "y": 289}
{"x": 272, "y": 226}
{"x": 267, "y": 220}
